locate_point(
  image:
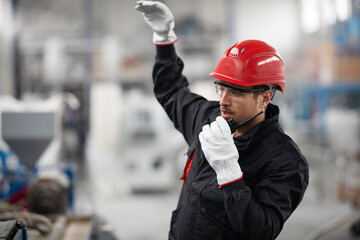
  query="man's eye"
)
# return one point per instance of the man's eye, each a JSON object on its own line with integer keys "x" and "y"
{"x": 235, "y": 93}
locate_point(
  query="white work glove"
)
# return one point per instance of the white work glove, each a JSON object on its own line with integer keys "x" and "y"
{"x": 220, "y": 151}
{"x": 159, "y": 17}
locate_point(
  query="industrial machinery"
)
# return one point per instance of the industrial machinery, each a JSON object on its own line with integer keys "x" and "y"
{"x": 151, "y": 145}
{"x": 338, "y": 112}
{"x": 37, "y": 190}
{"x": 13, "y": 229}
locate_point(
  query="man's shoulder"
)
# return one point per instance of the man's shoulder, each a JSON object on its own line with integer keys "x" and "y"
{"x": 285, "y": 148}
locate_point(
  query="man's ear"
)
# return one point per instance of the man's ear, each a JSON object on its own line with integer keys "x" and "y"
{"x": 265, "y": 98}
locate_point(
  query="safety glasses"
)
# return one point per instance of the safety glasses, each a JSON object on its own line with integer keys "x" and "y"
{"x": 234, "y": 93}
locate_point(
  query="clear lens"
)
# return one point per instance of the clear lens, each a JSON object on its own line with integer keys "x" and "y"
{"x": 233, "y": 93}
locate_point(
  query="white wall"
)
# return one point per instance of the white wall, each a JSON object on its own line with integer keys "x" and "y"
{"x": 275, "y": 22}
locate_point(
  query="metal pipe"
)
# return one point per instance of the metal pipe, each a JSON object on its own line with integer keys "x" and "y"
{"x": 16, "y": 51}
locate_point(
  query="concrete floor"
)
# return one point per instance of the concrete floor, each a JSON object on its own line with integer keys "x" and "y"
{"x": 102, "y": 188}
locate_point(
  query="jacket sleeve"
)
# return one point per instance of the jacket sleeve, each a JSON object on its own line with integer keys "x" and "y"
{"x": 171, "y": 90}
{"x": 261, "y": 213}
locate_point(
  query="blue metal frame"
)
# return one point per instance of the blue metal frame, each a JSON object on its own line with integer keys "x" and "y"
{"x": 317, "y": 99}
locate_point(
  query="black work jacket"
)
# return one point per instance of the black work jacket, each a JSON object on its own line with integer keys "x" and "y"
{"x": 275, "y": 172}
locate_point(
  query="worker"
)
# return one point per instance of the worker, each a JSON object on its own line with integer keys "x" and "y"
{"x": 241, "y": 185}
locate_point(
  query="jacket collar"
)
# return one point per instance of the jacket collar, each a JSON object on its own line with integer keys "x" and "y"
{"x": 260, "y": 130}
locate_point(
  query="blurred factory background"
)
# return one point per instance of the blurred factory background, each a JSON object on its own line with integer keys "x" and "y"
{"x": 87, "y": 152}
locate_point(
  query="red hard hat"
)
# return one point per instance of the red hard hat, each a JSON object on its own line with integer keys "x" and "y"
{"x": 251, "y": 63}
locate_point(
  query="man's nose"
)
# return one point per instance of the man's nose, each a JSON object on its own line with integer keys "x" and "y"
{"x": 225, "y": 99}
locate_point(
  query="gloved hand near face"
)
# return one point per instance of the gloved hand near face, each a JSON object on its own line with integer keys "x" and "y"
{"x": 220, "y": 151}
{"x": 159, "y": 17}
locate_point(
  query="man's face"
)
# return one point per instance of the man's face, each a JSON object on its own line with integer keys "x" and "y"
{"x": 236, "y": 105}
